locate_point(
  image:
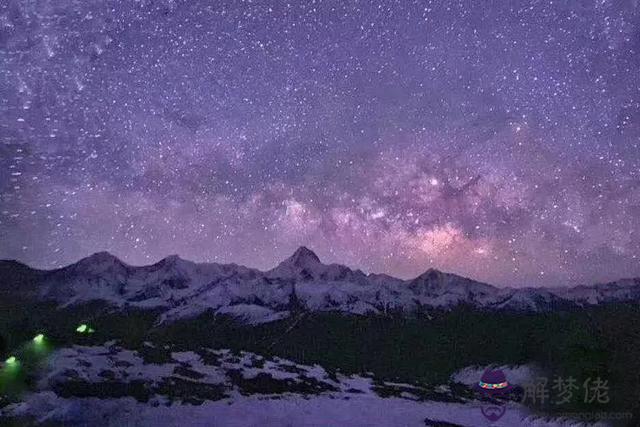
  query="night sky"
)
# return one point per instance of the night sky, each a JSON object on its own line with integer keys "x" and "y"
{"x": 499, "y": 142}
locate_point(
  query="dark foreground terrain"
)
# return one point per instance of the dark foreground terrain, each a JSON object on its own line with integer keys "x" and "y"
{"x": 601, "y": 341}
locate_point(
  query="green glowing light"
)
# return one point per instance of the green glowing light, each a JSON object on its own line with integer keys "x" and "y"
{"x": 38, "y": 339}
{"x": 82, "y": 328}
{"x": 11, "y": 360}
{"x": 90, "y": 330}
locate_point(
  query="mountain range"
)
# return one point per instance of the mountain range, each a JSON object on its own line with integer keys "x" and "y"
{"x": 181, "y": 289}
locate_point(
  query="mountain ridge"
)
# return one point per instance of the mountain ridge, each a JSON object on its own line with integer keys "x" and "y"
{"x": 182, "y": 288}
{"x": 106, "y": 255}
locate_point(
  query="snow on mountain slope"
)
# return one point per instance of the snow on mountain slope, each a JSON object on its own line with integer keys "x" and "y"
{"x": 531, "y": 299}
{"x": 110, "y": 385}
{"x": 184, "y": 289}
{"x": 621, "y": 290}
{"x": 290, "y": 411}
{"x": 304, "y": 266}
{"x": 251, "y": 313}
{"x": 103, "y": 276}
{"x": 441, "y": 289}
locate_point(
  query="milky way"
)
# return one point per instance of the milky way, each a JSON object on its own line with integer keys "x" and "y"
{"x": 501, "y": 143}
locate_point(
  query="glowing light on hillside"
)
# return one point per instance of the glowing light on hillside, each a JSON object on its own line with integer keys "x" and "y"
{"x": 85, "y": 329}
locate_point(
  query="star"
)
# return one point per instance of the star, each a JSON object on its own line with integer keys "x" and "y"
{"x": 495, "y": 143}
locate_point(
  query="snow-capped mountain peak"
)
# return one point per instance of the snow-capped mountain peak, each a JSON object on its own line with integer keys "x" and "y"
{"x": 98, "y": 263}
{"x": 430, "y": 276}
{"x": 304, "y": 264}
{"x": 436, "y": 280}
{"x": 101, "y": 257}
{"x": 175, "y": 265}
{"x": 303, "y": 257}
{"x": 171, "y": 259}
{"x": 184, "y": 288}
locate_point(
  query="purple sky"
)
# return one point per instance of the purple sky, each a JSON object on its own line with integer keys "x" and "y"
{"x": 501, "y": 143}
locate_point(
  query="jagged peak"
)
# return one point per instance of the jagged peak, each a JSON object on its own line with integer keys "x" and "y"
{"x": 15, "y": 265}
{"x": 302, "y": 257}
{"x": 100, "y": 257}
{"x": 303, "y": 261}
{"x": 430, "y": 274}
{"x": 434, "y": 273}
{"x": 436, "y": 279}
{"x": 175, "y": 262}
{"x": 98, "y": 262}
{"x": 170, "y": 260}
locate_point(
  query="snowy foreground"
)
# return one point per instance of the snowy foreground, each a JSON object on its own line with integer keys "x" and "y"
{"x": 111, "y": 386}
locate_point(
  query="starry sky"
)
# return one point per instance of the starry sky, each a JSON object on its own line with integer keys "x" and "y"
{"x": 496, "y": 140}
